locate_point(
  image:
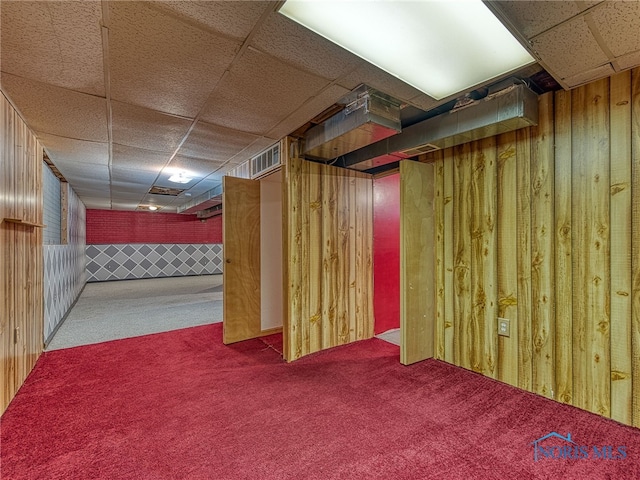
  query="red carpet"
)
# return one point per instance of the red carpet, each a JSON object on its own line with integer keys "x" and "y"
{"x": 180, "y": 405}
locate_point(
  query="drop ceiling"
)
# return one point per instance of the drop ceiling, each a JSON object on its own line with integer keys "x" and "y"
{"x": 122, "y": 94}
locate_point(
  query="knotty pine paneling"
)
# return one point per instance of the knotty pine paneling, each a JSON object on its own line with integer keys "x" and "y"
{"x": 328, "y": 241}
{"x": 543, "y": 228}
{"x": 21, "y": 268}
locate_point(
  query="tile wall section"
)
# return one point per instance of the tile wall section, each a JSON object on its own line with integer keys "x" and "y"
{"x": 151, "y": 260}
{"x": 51, "y": 211}
{"x": 64, "y": 267}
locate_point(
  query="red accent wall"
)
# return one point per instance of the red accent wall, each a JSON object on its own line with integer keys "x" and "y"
{"x": 386, "y": 252}
{"x": 112, "y": 226}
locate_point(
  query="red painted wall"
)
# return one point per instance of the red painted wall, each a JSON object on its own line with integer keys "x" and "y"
{"x": 386, "y": 252}
{"x": 112, "y": 226}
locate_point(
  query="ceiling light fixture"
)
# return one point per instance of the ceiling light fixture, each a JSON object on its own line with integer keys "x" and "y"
{"x": 439, "y": 47}
{"x": 179, "y": 178}
{"x": 153, "y": 208}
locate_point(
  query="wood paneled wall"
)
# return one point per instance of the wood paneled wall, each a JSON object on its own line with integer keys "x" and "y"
{"x": 542, "y": 226}
{"x": 328, "y": 256}
{"x": 21, "y": 269}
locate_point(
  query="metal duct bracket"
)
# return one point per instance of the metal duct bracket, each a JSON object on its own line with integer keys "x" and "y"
{"x": 512, "y": 108}
{"x": 368, "y": 116}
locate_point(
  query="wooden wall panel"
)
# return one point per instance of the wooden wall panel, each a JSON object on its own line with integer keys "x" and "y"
{"x": 635, "y": 249}
{"x": 462, "y": 255}
{"x": 507, "y": 269}
{"x": 621, "y": 222}
{"x": 542, "y": 224}
{"x": 417, "y": 262}
{"x": 438, "y": 221}
{"x": 563, "y": 252}
{"x": 21, "y": 269}
{"x": 328, "y": 215}
{"x": 566, "y": 251}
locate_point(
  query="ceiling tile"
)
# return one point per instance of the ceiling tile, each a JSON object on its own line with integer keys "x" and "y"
{"x": 628, "y": 61}
{"x": 309, "y": 110}
{"x": 161, "y": 63}
{"x": 97, "y": 203}
{"x": 54, "y": 42}
{"x": 215, "y": 143}
{"x": 139, "y": 159}
{"x": 143, "y": 178}
{"x": 68, "y": 150}
{"x": 240, "y": 102}
{"x": 93, "y": 176}
{"x": 194, "y": 166}
{"x": 569, "y": 49}
{"x": 232, "y": 19}
{"x": 597, "y": 73}
{"x": 532, "y": 18}
{"x": 306, "y": 50}
{"x": 619, "y": 24}
{"x": 143, "y": 128}
{"x": 58, "y": 111}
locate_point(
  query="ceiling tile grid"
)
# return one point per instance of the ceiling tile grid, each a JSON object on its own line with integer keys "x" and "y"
{"x": 162, "y": 63}
{"x": 58, "y": 111}
{"x": 201, "y": 86}
{"x": 54, "y": 42}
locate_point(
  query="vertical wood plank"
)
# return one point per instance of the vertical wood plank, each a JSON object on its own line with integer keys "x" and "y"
{"x": 315, "y": 258}
{"x": 523, "y": 259}
{"x": 285, "y": 148}
{"x": 542, "y": 222}
{"x": 303, "y": 256}
{"x": 591, "y": 224}
{"x": 352, "y": 303}
{"x": 621, "y": 247}
{"x": 635, "y": 192}
{"x": 563, "y": 253}
{"x": 438, "y": 211}
{"x": 507, "y": 195}
{"x": 295, "y": 265}
{"x": 417, "y": 282}
{"x": 329, "y": 259}
{"x": 450, "y": 317}
{"x": 462, "y": 254}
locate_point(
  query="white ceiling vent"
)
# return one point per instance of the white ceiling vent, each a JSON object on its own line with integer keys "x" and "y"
{"x": 266, "y": 161}
{"x": 241, "y": 171}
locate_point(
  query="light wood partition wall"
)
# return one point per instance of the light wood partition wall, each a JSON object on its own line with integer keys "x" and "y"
{"x": 328, "y": 256}
{"x": 21, "y": 269}
{"x": 542, "y": 226}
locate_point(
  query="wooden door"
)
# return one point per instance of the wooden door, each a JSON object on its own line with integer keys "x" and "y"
{"x": 417, "y": 269}
{"x": 241, "y": 249}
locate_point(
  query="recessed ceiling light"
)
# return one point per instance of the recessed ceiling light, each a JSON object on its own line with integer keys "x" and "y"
{"x": 153, "y": 208}
{"x": 179, "y": 178}
{"x": 439, "y": 47}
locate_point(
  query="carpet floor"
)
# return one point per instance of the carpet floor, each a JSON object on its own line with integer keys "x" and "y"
{"x": 181, "y": 405}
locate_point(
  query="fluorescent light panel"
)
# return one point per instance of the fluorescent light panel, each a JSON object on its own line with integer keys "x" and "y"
{"x": 440, "y": 47}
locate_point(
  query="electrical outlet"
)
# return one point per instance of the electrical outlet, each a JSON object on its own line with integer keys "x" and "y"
{"x": 504, "y": 327}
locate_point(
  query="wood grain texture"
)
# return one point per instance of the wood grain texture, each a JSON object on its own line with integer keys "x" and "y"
{"x": 635, "y": 293}
{"x": 591, "y": 219}
{"x": 563, "y": 252}
{"x": 21, "y": 268}
{"x": 438, "y": 212}
{"x": 462, "y": 255}
{"x": 523, "y": 258}
{"x": 507, "y": 269}
{"x": 449, "y": 267}
{"x": 241, "y": 273}
{"x": 542, "y": 262}
{"x": 417, "y": 279}
{"x": 621, "y": 222}
{"x": 568, "y": 242}
{"x": 329, "y": 217}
